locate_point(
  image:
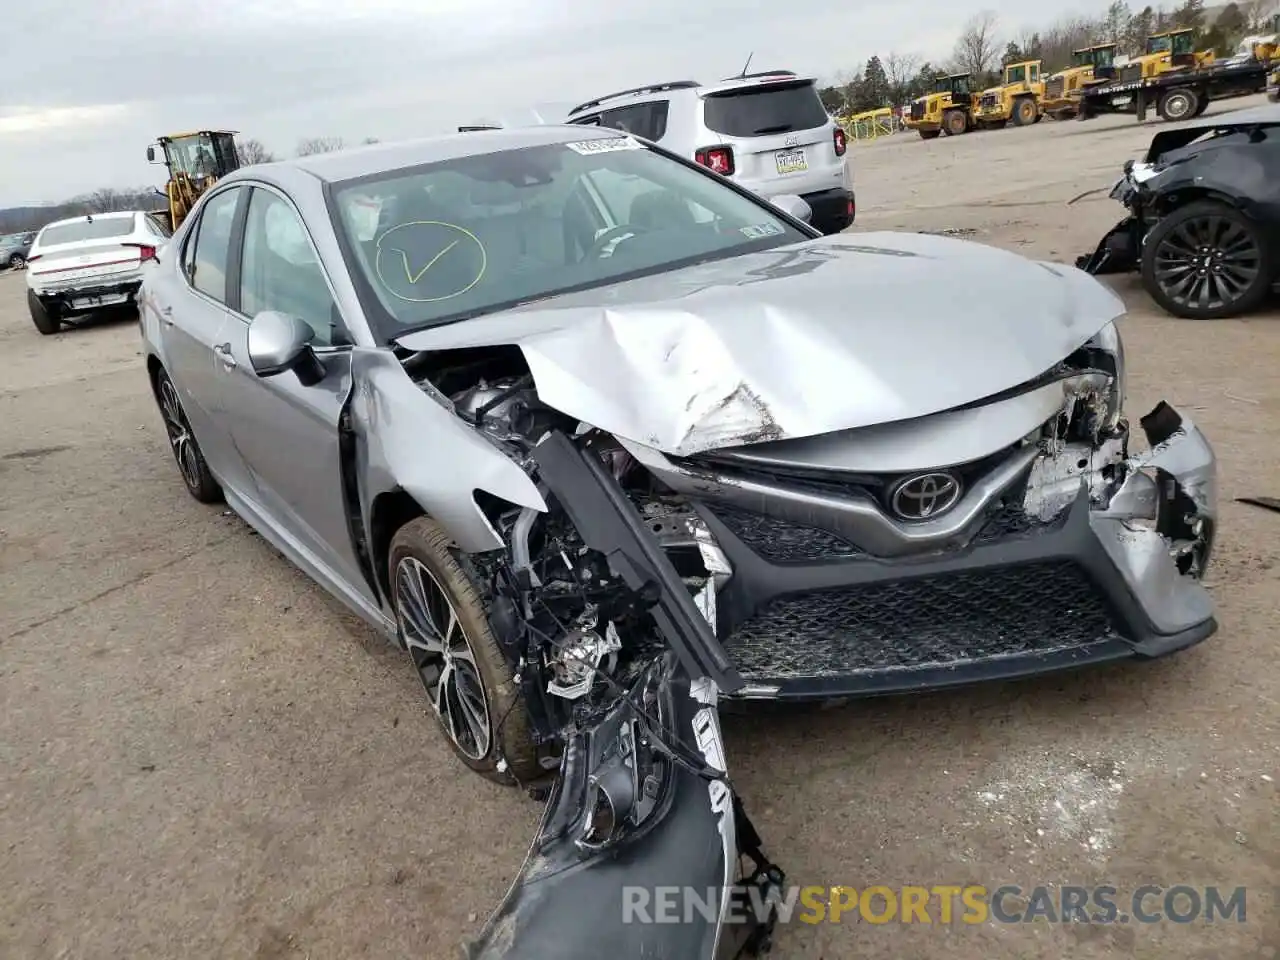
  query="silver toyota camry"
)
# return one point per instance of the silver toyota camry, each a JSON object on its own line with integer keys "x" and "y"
{"x": 598, "y": 438}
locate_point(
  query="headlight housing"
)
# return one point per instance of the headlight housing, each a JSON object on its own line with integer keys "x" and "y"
{"x": 1107, "y": 343}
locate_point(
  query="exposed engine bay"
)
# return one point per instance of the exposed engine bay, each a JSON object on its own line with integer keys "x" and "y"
{"x": 616, "y": 611}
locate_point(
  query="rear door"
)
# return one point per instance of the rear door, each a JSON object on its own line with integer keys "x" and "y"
{"x": 193, "y": 314}
{"x": 781, "y": 135}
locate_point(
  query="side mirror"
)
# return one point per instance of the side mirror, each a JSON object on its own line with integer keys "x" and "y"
{"x": 794, "y": 205}
{"x": 279, "y": 342}
{"x": 151, "y": 154}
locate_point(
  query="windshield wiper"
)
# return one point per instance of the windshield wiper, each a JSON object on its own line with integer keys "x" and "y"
{"x": 780, "y": 128}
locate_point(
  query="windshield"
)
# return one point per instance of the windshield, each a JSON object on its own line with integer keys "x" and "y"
{"x": 481, "y": 233}
{"x": 193, "y": 155}
{"x": 1159, "y": 44}
{"x": 1105, "y": 57}
{"x": 1015, "y": 74}
{"x": 79, "y": 230}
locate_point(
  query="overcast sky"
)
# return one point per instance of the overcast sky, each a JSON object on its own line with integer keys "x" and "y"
{"x": 89, "y": 83}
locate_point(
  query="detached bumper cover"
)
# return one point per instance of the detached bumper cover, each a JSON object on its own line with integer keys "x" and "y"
{"x": 1024, "y": 597}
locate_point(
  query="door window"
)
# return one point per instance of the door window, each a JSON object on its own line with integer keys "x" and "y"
{"x": 648, "y": 120}
{"x": 212, "y": 239}
{"x": 280, "y": 270}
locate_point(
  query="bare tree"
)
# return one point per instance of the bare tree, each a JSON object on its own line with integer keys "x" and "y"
{"x": 252, "y": 151}
{"x": 1255, "y": 12}
{"x": 978, "y": 48}
{"x": 901, "y": 69}
{"x": 313, "y": 145}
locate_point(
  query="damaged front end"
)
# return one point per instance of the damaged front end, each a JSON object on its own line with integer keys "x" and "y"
{"x": 1120, "y": 249}
{"x": 599, "y": 603}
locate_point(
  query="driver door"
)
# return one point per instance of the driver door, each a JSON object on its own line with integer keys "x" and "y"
{"x": 287, "y": 432}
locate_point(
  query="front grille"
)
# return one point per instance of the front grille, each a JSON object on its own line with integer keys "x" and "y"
{"x": 780, "y": 541}
{"x": 1131, "y": 72}
{"x": 1053, "y": 88}
{"x": 935, "y": 621}
{"x": 989, "y": 101}
{"x": 917, "y": 111}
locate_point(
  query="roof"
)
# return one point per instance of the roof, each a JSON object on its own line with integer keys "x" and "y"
{"x": 383, "y": 157}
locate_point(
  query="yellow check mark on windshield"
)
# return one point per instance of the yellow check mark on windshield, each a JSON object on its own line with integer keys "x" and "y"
{"x": 408, "y": 272}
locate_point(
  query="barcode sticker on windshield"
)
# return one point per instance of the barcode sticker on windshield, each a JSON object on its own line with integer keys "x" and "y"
{"x": 758, "y": 231}
{"x": 590, "y": 147}
{"x": 363, "y": 212}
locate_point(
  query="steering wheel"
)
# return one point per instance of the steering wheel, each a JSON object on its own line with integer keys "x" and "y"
{"x": 609, "y": 236}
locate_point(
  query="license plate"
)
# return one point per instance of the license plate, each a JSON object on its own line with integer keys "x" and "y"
{"x": 791, "y": 161}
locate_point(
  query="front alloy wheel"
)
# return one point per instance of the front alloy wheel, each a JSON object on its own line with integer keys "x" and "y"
{"x": 1206, "y": 261}
{"x": 443, "y": 658}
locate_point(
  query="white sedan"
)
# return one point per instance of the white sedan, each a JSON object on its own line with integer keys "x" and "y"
{"x": 89, "y": 263}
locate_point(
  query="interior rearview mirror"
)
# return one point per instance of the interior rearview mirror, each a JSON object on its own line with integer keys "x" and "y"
{"x": 151, "y": 154}
{"x": 279, "y": 342}
{"x": 794, "y": 205}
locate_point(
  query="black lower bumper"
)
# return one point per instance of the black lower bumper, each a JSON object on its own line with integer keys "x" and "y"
{"x": 833, "y": 210}
{"x": 84, "y": 299}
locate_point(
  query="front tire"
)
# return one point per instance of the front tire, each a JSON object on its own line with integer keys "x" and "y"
{"x": 1024, "y": 112}
{"x": 954, "y": 123}
{"x": 1207, "y": 261}
{"x": 46, "y": 320}
{"x": 468, "y": 681}
{"x": 1180, "y": 103}
{"x": 195, "y": 472}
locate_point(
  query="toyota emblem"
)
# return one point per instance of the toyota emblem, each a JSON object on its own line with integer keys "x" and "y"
{"x": 925, "y": 496}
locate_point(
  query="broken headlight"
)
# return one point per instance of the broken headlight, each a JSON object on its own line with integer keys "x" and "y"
{"x": 1109, "y": 347}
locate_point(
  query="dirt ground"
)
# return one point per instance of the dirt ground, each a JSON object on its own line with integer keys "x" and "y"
{"x": 203, "y": 756}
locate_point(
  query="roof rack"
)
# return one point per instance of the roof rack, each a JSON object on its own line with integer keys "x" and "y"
{"x": 650, "y": 88}
{"x": 762, "y": 73}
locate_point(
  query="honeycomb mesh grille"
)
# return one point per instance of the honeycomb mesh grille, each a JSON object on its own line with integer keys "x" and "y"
{"x": 780, "y": 541}
{"x": 936, "y": 621}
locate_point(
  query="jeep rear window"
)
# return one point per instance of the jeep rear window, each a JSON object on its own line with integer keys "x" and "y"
{"x": 761, "y": 111}
{"x": 86, "y": 230}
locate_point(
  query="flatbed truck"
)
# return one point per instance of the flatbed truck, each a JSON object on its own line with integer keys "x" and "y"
{"x": 1178, "y": 94}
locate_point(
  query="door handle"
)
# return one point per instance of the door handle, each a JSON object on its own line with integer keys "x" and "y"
{"x": 166, "y": 314}
{"x": 223, "y": 350}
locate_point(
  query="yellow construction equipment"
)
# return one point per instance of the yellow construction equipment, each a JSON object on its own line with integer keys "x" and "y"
{"x": 196, "y": 161}
{"x": 1090, "y": 66}
{"x": 948, "y": 109}
{"x": 1016, "y": 99}
{"x": 1165, "y": 52}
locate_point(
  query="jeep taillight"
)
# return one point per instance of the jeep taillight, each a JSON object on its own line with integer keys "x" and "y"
{"x": 717, "y": 159}
{"x": 841, "y": 143}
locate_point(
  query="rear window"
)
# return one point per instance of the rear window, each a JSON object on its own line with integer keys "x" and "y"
{"x": 760, "y": 111}
{"x": 86, "y": 230}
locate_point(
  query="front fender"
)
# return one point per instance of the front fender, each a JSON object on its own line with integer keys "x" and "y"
{"x": 408, "y": 439}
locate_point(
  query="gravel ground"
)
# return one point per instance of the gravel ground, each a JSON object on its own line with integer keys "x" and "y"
{"x": 203, "y": 756}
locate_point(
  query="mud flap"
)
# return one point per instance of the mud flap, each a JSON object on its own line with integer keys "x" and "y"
{"x": 606, "y": 521}
{"x": 663, "y": 883}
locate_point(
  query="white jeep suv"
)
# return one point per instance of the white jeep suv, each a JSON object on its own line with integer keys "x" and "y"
{"x": 768, "y": 132}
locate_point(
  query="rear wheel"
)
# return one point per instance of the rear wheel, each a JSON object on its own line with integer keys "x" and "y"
{"x": 1207, "y": 261}
{"x": 468, "y": 681}
{"x": 929, "y": 134}
{"x": 954, "y": 123}
{"x": 186, "y": 451}
{"x": 1024, "y": 112}
{"x": 17, "y": 261}
{"x": 46, "y": 320}
{"x": 1180, "y": 103}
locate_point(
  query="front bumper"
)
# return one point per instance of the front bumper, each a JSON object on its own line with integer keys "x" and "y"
{"x": 807, "y": 615}
{"x": 91, "y": 295}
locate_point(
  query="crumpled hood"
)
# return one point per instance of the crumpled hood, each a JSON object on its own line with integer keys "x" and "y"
{"x": 831, "y": 334}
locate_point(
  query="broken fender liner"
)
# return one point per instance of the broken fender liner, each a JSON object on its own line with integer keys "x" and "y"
{"x": 606, "y": 521}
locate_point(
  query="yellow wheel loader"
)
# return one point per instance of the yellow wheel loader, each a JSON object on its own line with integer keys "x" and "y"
{"x": 1166, "y": 52}
{"x": 1016, "y": 99}
{"x": 1090, "y": 66}
{"x": 948, "y": 109}
{"x": 195, "y": 161}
